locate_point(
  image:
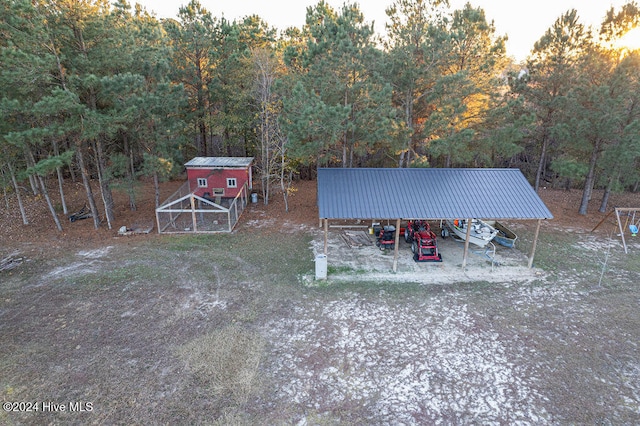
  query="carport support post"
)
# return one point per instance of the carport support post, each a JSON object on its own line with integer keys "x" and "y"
{"x": 466, "y": 244}
{"x": 535, "y": 243}
{"x": 326, "y": 236}
{"x": 395, "y": 247}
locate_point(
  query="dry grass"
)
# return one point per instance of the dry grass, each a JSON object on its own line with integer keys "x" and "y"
{"x": 226, "y": 361}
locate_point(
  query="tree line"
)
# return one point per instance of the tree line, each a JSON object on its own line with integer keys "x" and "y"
{"x": 105, "y": 92}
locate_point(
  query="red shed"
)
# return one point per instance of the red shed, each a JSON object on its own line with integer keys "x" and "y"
{"x": 219, "y": 176}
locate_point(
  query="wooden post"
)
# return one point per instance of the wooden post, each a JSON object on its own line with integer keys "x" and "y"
{"x": 466, "y": 244}
{"x": 193, "y": 213}
{"x": 603, "y": 219}
{"x": 326, "y": 236}
{"x": 624, "y": 243}
{"x": 395, "y": 246}
{"x": 535, "y": 243}
{"x": 235, "y": 204}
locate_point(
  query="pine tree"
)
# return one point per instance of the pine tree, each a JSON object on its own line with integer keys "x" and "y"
{"x": 551, "y": 71}
{"x": 340, "y": 108}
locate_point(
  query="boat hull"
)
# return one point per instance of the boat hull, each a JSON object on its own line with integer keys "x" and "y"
{"x": 505, "y": 237}
{"x": 481, "y": 232}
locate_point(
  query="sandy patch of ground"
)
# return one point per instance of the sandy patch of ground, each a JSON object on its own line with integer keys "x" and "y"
{"x": 407, "y": 364}
{"x": 90, "y": 262}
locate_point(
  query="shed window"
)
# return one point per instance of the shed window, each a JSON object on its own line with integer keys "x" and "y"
{"x": 218, "y": 191}
{"x": 232, "y": 183}
{"x": 202, "y": 182}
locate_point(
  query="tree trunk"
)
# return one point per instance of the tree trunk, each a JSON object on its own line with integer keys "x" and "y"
{"x": 25, "y": 221}
{"x": 265, "y": 188}
{"x": 227, "y": 143}
{"x": 351, "y": 157}
{"x": 72, "y": 170}
{"x": 43, "y": 188}
{"x": 543, "y": 156}
{"x": 87, "y": 186}
{"x": 589, "y": 182}
{"x": 131, "y": 179}
{"x": 60, "y": 180}
{"x": 101, "y": 165}
{"x": 34, "y": 185}
{"x": 405, "y": 155}
{"x": 65, "y": 211}
{"x": 285, "y": 188}
{"x": 202, "y": 106}
{"x": 344, "y": 154}
{"x": 282, "y": 151}
{"x": 265, "y": 141}
{"x": 605, "y": 197}
{"x": 156, "y": 188}
{"x": 105, "y": 188}
{"x": 285, "y": 195}
{"x": 203, "y": 136}
{"x": 401, "y": 160}
{"x": 130, "y": 174}
{"x": 28, "y": 156}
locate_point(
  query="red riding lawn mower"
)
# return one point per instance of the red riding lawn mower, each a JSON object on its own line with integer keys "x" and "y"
{"x": 423, "y": 241}
{"x": 385, "y": 236}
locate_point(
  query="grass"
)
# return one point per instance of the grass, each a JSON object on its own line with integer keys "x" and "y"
{"x": 226, "y": 361}
{"x": 559, "y": 255}
{"x": 332, "y": 270}
{"x": 344, "y": 269}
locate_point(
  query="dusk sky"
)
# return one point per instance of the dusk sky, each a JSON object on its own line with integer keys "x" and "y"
{"x": 523, "y": 21}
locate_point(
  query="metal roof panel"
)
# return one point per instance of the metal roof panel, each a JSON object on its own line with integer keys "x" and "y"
{"x": 427, "y": 194}
{"x": 205, "y": 162}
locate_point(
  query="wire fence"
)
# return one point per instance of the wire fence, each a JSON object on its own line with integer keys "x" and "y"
{"x": 185, "y": 212}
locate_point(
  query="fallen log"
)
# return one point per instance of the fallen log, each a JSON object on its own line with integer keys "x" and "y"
{"x": 11, "y": 261}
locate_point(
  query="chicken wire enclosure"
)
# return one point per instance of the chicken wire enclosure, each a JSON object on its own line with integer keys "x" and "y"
{"x": 185, "y": 212}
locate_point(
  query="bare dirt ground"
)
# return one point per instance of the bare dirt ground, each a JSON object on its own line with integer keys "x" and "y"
{"x": 232, "y": 329}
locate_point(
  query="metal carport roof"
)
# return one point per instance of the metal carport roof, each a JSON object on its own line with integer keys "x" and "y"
{"x": 427, "y": 194}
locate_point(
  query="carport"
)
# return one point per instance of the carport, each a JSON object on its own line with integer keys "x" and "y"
{"x": 430, "y": 194}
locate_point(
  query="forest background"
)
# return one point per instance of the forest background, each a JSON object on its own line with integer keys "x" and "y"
{"x": 106, "y": 92}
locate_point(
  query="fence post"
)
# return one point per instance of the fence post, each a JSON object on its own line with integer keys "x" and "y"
{"x": 193, "y": 213}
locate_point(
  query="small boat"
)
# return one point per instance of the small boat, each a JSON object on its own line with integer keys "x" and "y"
{"x": 481, "y": 232}
{"x": 506, "y": 237}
